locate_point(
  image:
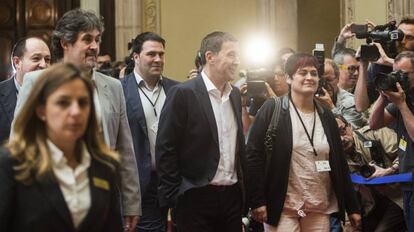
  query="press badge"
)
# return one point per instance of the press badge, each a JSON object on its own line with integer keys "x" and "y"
{"x": 322, "y": 166}
{"x": 368, "y": 144}
{"x": 403, "y": 144}
{"x": 100, "y": 183}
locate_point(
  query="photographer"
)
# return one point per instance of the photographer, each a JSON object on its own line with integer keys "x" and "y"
{"x": 337, "y": 99}
{"x": 366, "y": 150}
{"x": 400, "y": 111}
{"x": 365, "y": 92}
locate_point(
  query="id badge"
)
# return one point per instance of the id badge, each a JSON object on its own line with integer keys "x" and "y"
{"x": 402, "y": 144}
{"x": 368, "y": 144}
{"x": 322, "y": 166}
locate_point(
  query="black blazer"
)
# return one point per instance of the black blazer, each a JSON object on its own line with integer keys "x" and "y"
{"x": 270, "y": 188}
{"x": 8, "y": 101}
{"x": 187, "y": 147}
{"x": 138, "y": 125}
{"x": 40, "y": 207}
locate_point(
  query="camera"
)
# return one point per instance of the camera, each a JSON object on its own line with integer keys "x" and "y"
{"x": 319, "y": 53}
{"x": 388, "y": 82}
{"x": 256, "y": 80}
{"x": 387, "y": 35}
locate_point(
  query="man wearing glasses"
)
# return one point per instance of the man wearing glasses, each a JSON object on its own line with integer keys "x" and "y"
{"x": 349, "y": 69}
{"x": 400, "y": 112}
{"x": 337, "y": 99}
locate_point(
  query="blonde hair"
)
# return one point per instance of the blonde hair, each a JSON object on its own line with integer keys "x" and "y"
{"x": 28, "y": 143}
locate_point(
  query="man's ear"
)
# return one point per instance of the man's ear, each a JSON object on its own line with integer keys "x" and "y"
{"x": 289, "y": 80}
{"x": 135, "y": 57}
{"x": 40, "y": 112}
{"x": 210, "y": 57}
{"x": 16, "y": 62}
{"x": 64, "y": 44}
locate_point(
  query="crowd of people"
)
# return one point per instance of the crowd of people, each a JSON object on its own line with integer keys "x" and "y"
{"x": 84, "y": 151}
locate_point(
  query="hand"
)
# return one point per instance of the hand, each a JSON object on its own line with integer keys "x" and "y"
{"x": 384, "y": 59}
{"x": 260, "y": 214}
{"x": 269, "y": 91}
{"x": 345, "y": 33}
{"x": 355, "y": 220}
{"x": 130, "y": 223}
{"x": 326, "y": 99}
{"x": 243, "y": 93}
{"x": 380, "y": 171}
{"x": 193, "y": 73}
{"x": 398, "y": 98}
{"x": 370, "y": 24}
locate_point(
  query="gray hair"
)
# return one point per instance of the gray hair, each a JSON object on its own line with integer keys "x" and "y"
{"x": 339, "y": 57}
{"x": 70, "y": 25}
{"x": 334, "y": 66}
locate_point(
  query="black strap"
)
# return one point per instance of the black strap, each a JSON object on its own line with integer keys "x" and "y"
{"x": 149, "y": 100}
{"x": 271, "y": 130}
{"x": 310, "y": 138}
{"x": 360, "y": 136}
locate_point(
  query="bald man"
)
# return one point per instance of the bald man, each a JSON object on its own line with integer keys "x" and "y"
{"x": 28, "y": 54}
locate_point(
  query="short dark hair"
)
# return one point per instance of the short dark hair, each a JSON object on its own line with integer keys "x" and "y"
{"x": 136, "y": 44}
{"x": 70, "y": 25}
{"x": 300, "y": 60}
{"x": 407, "y": 20}
{"x": 405, "y": 54}
{"x": 213, "y": 42}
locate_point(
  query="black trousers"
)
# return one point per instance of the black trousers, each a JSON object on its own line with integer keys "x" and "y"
{"x": 210, "y": 209}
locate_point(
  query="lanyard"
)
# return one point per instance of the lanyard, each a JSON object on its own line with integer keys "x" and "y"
{"x": 303, "y": 124}
{"x": 154, "y": 104}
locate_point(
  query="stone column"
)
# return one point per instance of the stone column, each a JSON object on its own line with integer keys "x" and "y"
{"x": 128, "y": 23}
{"x": 279, "y": 19}
{"x": 151, "y": 16}
{"x": 397, "y": 9}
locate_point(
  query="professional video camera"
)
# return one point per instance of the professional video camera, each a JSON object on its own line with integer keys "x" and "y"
{"x": 387, "y": 82}
{"x": 387, "y": 35}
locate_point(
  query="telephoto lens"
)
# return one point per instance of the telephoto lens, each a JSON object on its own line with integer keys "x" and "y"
{"x": 366, "y": 170}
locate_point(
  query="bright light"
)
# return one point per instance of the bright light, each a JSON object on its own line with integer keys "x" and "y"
{"x": 259, "y": 52}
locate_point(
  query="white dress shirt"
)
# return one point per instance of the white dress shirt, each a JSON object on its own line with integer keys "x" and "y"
{"x": 151, "y": 117}
{"x": 74, "y": 183}
{"x": 227, "y": 132}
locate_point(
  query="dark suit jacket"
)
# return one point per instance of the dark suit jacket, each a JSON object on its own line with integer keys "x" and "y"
{"x": 8, "y": 101}
{"x": 40, "y": 207}
{"x": 187, "y": 147}
{"x": 137, "y": 123}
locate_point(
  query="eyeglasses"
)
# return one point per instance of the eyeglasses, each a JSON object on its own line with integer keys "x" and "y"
{"x": 351, "y": 68}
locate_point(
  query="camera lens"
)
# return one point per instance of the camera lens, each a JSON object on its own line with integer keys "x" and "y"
{"x": 385, "y": 82}
{"x": 366, "y": 170}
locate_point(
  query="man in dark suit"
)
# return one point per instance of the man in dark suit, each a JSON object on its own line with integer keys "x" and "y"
{"x": 200, "y": 143}
{"x": 28, "y": 54}
{"x": 145, "y": 92}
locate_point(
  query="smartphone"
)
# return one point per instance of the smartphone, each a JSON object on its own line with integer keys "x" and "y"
{"x": 360, "y": 30}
